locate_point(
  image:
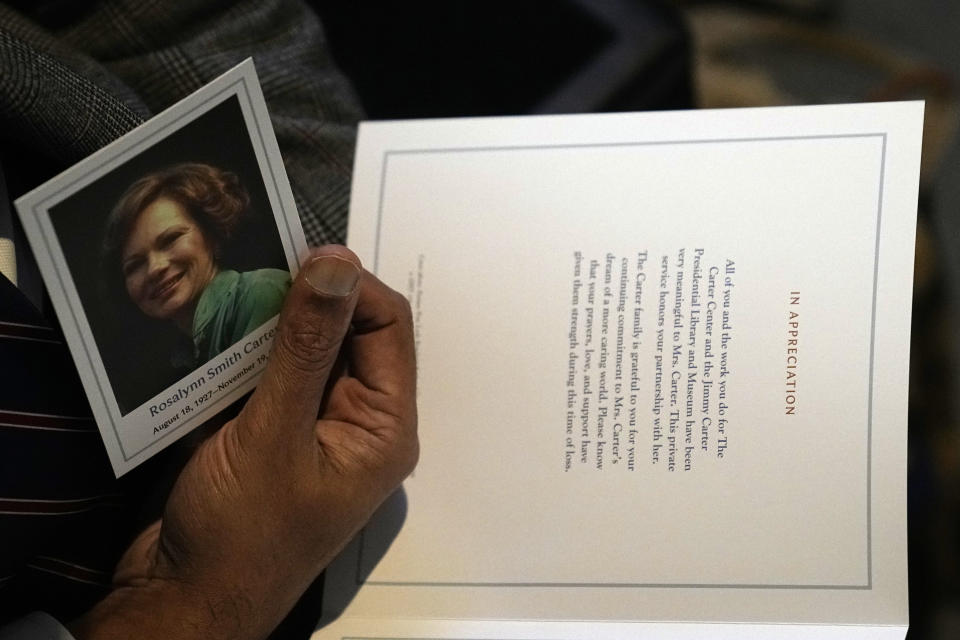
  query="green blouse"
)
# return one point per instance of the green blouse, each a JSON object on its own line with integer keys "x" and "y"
{"x": 233, "y": 305}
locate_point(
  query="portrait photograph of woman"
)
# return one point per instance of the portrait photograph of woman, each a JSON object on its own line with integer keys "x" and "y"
{"x": 176, "y": 255}
{"x": 163, "y": 249}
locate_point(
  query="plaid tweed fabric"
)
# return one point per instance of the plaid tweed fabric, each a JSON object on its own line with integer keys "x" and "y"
{"x": 74, "y": 76}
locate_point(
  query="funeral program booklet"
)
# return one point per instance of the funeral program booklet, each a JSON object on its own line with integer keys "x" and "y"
{"x": 662, "y": 366}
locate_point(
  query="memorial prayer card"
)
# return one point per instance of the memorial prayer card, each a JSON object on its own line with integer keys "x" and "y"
{"x": 167, "y": 255}
{"x": 662, "y": 375}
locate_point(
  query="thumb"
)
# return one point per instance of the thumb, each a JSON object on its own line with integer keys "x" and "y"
{"x": 315, "y": 317}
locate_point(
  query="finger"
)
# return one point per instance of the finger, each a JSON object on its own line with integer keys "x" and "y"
{"x": 139, "y": 558}
{"x": 382, "y": 345}
{"x": 313, "y": 322}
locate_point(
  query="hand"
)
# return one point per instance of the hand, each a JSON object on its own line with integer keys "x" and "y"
{"x": 268, "y": 500}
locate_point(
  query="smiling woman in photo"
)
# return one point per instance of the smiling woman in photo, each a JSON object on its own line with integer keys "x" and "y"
{"x": 163, "y": 251}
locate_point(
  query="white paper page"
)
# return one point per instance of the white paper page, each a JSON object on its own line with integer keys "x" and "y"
{"x": 364, "y": 629}
{"x": 784, "y": 500}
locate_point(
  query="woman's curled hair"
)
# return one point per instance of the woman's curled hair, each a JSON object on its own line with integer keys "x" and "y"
{"x": 214, "y": 198}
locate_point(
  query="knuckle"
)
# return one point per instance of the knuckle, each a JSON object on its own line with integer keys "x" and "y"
{"x": 223, "y": 460}
{"x": 404, "y": 312}
{"x": 303, "y": 348}
{"x": 402, "y": 447}
{"x": 409, "y": 457}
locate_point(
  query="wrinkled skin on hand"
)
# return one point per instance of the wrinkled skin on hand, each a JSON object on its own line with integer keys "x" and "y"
{"x": 268, "y": 500}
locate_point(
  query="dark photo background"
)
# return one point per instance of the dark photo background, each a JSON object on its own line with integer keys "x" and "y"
{"x": 136, "y": 350}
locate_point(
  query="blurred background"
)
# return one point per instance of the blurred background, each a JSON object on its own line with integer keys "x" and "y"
{"x": 439, "y": 59}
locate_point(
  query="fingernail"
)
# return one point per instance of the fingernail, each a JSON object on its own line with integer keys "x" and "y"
{"x": 332, "y": 276}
